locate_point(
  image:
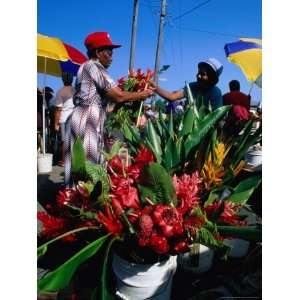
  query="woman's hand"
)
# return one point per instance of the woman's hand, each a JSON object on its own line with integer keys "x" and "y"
{"x": 152, "y": 85}
{"x": 146, "y": 94}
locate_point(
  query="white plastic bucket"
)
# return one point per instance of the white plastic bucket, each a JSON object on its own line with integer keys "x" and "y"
{"x": 138, "y": 281}
{"x": 254, "y": 157}
{"x": 44, "y": 162}
{"x": 198, "y": 260}
{"x": 239, "y": 248}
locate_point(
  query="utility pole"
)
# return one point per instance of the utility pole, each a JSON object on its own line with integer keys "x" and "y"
{"x": 159, "y": 42}
{"x": 133, "y": 34}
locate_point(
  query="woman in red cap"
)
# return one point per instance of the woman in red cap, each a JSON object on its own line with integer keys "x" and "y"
{"x": 94, "y": 88}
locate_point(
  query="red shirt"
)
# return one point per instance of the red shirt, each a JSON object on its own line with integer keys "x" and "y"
{"x": 237, "y": 98}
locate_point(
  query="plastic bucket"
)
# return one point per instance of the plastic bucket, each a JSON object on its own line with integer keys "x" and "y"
{"x": 254, "y": 157}
{"x": 44, "y": 163}
{"x": 198, "y": 260}
{"x": 239, "y": 248}
{"x": 138, "y": 281}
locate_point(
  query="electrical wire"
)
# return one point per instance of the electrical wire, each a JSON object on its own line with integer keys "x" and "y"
{"x": 190, "y": 10}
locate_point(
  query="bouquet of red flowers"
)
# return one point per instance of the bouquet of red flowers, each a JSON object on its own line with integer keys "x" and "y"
{"x": 136, "y": 81}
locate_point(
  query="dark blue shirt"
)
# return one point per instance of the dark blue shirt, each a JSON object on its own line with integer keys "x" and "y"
{"x": 213, "y": 96}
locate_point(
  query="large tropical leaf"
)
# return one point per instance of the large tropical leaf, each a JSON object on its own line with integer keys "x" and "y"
{"x": 249, "y": 233}
{"x": 188, "y": 121}
{"x": 60, "y": 277}
{"x": 243, "y": 191}
{"x": 251, "y": 140}
{"x": 170, "y": 127}
{"x": 102, "y": 291}
{"x": 203, "y": 128}
{"x": 154, "y": 178}
{"x": 206, "y": 237}
{"x": 154, "y": 138}
{"x": 78, "y": 157}
{"x": 171, "y": 155}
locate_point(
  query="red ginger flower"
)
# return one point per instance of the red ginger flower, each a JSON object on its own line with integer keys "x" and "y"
{"x": 116, "y": 165}
{"x": 229, "y": 214}
{"x": 168, "y": 219}
{"x": 187, "y": 190}
{"x": 67, "y": 196}
{"x": 181, "y": 247}
{"x": 53, "y": 226}
{"x": 192, "y": 223}
{"x": 159, "y": 244}
{"x": 110, "y": 221}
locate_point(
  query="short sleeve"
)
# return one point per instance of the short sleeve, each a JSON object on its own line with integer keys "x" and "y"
{"x": 58, "y": 99}
{"x": 101, "y": 78}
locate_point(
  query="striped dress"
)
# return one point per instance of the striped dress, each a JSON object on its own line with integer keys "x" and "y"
{"x": 88, "y": 117}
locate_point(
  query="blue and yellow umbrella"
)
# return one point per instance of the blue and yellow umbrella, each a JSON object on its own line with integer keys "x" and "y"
{"x": 247, "y": 54}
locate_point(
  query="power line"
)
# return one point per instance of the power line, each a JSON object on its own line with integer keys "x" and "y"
{"x": 209, "y": 32}
{"x": 191, "y": 10}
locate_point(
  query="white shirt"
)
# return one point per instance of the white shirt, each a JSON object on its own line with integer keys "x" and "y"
{"x": 64, "y": 99}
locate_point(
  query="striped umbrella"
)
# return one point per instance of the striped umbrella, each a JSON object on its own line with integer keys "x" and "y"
{"x": 53, "y": 58}
{"x": 247, "y": 54}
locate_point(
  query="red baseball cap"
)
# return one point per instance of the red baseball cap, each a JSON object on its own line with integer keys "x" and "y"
{"x": 99, "y": 39}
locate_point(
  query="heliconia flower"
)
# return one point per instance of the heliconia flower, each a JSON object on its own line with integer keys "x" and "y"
{"x": 110, "y": 221}
{"x": 168, "y": 219}
{"x": 149, "y": 75}
{"x": 187, "y": 191}
{"x": 53, "y": 226}
{"x": 139, "y": 74}
{"x": 116, "y": 164}
{"x": 193, "y": 223}
{"x": 229, "y": 214}
{"x": 144, "y": 156}
{"x": 159, "y": 244}
{"x": 181, "y": 247}
{"x": 67, "y": 196}
{"x": 118, "y": 208}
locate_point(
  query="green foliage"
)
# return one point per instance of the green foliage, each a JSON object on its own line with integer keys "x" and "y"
{"x": 206, "y": 237}
{"x": 204, "y": 126}
{"x": 243, "y": 191}
{"x": 249, "y": 233}
{"x": 60, "y": 277}
{"x": 157, "y": 185}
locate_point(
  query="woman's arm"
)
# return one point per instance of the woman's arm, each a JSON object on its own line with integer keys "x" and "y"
{"x": 117, "y": 95}
{"x": 170, "y": 96}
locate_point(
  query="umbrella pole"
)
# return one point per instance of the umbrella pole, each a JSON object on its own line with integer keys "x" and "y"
{"x": 251, "y": 87}
{"x": 44, "y": 104}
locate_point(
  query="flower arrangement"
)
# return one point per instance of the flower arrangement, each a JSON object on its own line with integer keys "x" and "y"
{"x": 176, "y": 186}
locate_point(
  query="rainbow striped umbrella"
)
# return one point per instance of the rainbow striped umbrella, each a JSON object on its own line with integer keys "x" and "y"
{"x": 247, "y": 54}
{"x": 55, "y": 56}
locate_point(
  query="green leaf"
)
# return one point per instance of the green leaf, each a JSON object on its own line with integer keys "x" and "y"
{"x": 190, "y": 97}
{"x": 188, "y": 122}
{"x": 170, "y": 127}
{"x": 243, "y": 191}
{"x": 42, "y": 250}
{"x": 203, "y": 128}
{"x": 249, "y": 233}
{"x": 148, "y": 144}
{"x": 147, "y": 193}
{"x": 205, "y": 237}
{"x": 156, "y": 178}
{"x": 60, "y": 277}
{"x": 154, "y": 138}
{"x": 251, "y": 140}
{"x": 213, "y": 195}
{"x": 78, "y": 157}
{"x": 115, "y": 148}
{"x": 171, "y": 155}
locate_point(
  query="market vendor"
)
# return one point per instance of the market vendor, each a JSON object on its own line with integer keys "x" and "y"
{"x": 205, "y": 86}
{"x": 94, "y": 88}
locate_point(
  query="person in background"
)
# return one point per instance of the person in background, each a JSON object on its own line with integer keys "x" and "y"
{"x": 236, "y": 97}
{"x": 240, "y": 112}
{"x": 64, "y": 108}
{"x": 94, "y": 88}
{"x": 204, "y": 87}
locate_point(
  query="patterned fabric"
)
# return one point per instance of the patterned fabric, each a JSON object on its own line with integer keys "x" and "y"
{"x": 87, "y": 119}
